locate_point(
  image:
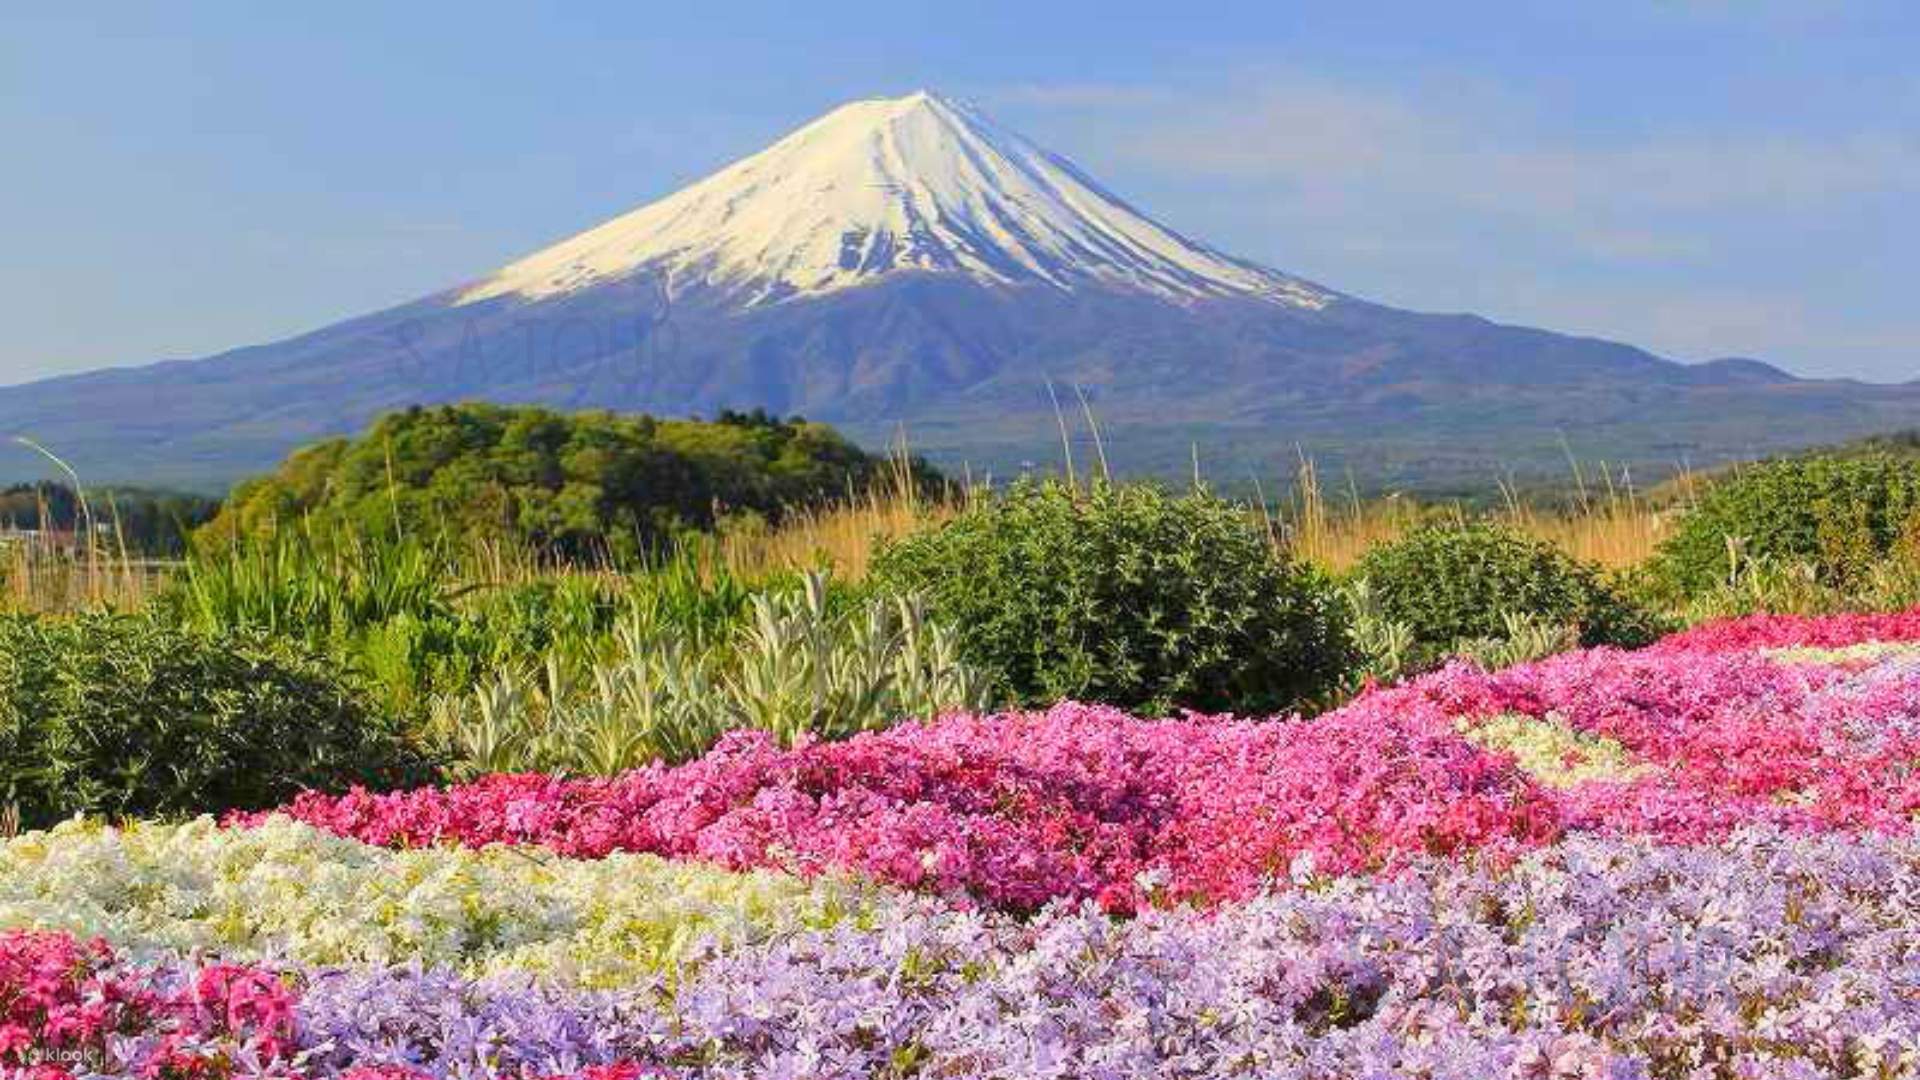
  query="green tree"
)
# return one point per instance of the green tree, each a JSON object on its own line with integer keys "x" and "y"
{"x": 573, "y": 483}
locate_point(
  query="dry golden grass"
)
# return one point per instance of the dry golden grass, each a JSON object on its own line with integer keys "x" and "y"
{"x": 43, "y": 578}
{"x": 1333, "y": 534}
{"x": 842, "y": 537}
{"x": 1611, "y": 522}
{"x": 1611, "y": 534}
{"x": 1608, "y": 523}
{"x": 90, "y": 569}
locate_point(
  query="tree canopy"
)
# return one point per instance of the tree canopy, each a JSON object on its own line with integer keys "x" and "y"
{"x": 572, "y": 483}
{"x": 146, "y": 522}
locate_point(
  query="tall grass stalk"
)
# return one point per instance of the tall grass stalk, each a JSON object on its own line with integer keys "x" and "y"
{"x": 841, "y": 537}
{"x": 1610, "y": 523}
{"x": 91, "y": 572}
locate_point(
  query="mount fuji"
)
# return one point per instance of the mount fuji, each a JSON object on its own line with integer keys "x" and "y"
{"x": 907, "y": 263}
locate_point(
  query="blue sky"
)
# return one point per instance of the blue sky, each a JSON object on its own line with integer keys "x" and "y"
{"x": 1702, "y": 179}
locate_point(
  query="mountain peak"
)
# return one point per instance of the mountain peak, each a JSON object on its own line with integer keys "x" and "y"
{"x": 922, "y": 98}
{"x": 874, "y": 112}
{"x": 916, "y": 184}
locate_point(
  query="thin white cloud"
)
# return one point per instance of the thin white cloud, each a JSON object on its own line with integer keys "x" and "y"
{"x": 1760, "y": 240}
{"x": 1314, "y": 133}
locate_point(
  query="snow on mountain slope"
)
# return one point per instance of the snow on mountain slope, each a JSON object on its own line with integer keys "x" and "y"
{"x": 918, "y": 183}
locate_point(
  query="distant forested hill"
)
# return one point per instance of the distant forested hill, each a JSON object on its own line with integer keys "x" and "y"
{"x": 146, "y": 522}
{"x": 569, "y": 482}
{"x": 1905, "y": 443}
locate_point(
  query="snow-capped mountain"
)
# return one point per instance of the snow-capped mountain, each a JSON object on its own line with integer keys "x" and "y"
{"x": 879, "y": 187}
{"x": 908, "y": 262}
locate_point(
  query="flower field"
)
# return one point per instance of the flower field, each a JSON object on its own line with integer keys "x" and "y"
{"x": 1691, "y": 860}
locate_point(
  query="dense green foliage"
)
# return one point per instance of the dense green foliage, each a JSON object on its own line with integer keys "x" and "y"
{"x": 1838, "y": 515}
{"x": 1126, "y": 595}
{"x": 146, "y": 522}
{"x": 579, "y": 671}
{"x": 801, "y": 665}
{"x": 124, "y": 716}
{"x": 575, "y": 484}
{"x": 411, "y": 619}
{"x": 1455, "y": 583}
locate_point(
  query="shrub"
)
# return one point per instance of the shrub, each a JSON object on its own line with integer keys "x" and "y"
{"x": 797, "y": 668}
{"x": 1839, "y": 515}
{"x": 1126, "y": 595}
{"x": 122, "y": 716}
{"x": 1450, "y": 584}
